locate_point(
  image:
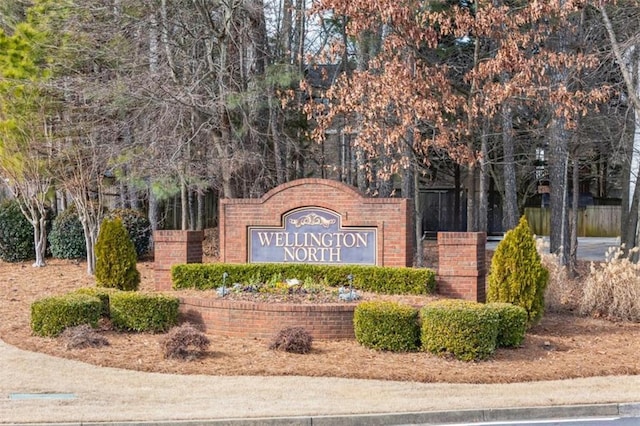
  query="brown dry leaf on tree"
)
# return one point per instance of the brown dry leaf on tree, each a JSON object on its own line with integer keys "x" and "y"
{"x": 561, "y": 346}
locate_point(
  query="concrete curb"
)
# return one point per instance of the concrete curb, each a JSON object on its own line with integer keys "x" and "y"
{"x": 418, "y": 418}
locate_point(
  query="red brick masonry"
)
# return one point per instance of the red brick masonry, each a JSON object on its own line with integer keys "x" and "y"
{"x": 393, "y": 217}
{"x": 461, "y": 274}
{"x": 462, "y": 265}
{"x": 171, "y": 248}
{"x": 262, "y": 320}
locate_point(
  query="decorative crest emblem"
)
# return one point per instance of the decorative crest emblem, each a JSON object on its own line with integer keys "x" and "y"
{"x": 312, "y": 219}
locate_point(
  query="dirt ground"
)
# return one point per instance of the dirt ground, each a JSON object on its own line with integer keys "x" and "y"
{"x": 562, "y": 346}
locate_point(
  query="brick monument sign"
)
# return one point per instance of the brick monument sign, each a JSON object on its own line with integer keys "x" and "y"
{"x": 326, "y": 222}
{"x": 317, "y": 221}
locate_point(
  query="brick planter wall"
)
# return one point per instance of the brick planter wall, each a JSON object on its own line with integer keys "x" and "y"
{"x": 393, "y": 217}
{"x": 263, "y": 320}
{"x": 462, "y": 265}
{"x": 174, "y": 247}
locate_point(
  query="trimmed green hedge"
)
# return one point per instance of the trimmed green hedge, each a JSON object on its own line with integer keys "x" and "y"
{"x": 132, "y": 311}
{"x": 387, "y": 326}
{"x": 102, "y": 293}
{"x": 467, "y": 330}
{"x": 51, "y": 315}
{"x": 376, "y": 279}
{"x": 512, "y": 325}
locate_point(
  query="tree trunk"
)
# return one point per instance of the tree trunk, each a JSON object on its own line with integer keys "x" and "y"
{"x": 472, "y": 214}
{"x": 417, "y": 205}
{"x": 559, "y": 232}
{"x": 40, "y": 239}
{"x": 573, "y": 254}
{"x": 192, "y": 209}
{"x": 200, "y": 222}
{"x": 456, "y": 200}
{"x": 483, "y": 196}
{"x": 511, "y": 214}
{"x": 184, "y": 206}
{"x": 630, "y": 198}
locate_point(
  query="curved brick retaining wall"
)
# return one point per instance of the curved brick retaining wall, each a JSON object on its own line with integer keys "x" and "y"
{"x": 233, "y": 318}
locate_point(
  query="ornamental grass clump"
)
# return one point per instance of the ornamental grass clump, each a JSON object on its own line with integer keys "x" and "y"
{"x": 612, "y": 289}
{"x": 517, "y": 275}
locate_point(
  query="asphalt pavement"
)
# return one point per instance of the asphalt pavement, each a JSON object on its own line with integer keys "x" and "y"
{"x": 593, "y": 249}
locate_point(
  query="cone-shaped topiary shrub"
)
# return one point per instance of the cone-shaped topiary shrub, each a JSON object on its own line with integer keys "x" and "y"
{"x": 16, "y": 234}
{"x": 116, "y": 257}
{"x": 517, "y": 275}
{"x": 138, "y": 227}
{"x": 67, "y": 236}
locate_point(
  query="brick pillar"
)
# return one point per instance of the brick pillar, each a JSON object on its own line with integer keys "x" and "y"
{"x": 171, "y": 248}
{"x": 462, "y": 265}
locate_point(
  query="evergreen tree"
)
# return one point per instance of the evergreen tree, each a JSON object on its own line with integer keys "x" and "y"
{"x": 116, "y": 257}
{"x": 517, "y": 275}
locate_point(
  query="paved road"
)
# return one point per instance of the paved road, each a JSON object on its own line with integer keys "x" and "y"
{"x": 589, "y": 248}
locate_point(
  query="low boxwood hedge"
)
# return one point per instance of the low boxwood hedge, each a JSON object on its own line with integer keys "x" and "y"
{"x": 388, "y": 326}
{"x": 512, "y": 324}
{"x": 51, "y": 315}
{"x": 385, "y": 280}
{"x": 102, "y": 293}
{"x": 133, "y": 311}
{"x": 467, "y": 330}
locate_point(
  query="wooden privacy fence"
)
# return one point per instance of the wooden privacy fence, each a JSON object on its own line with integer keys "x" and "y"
{"x": 593, "y": 221}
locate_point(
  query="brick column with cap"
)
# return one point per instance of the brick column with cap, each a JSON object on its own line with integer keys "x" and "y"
{"x": 462, "y": 265}
{"x": 171, "y": 248}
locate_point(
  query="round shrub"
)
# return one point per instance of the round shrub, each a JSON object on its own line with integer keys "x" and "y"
{"x": 387, "y": 326}
{"x": 116, "y": 257}
{"x": 292, "y": 339}
{"x": 184, "y": 342}
{"x": 131, "y": 311}
{"x": 67, "y": 236}
{"x": 467, "y": 330}
{"x": 512, "y": 326}
{"x": 138, "y": 227}
{"x": 51, "y": 315}
{"x": 16, "y": 234}
{"x": 517, "y": 275}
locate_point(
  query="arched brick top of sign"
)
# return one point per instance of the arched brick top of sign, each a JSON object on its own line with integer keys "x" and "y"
{"x": 313, "y": 181}
{"x": 392, "y": 217}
